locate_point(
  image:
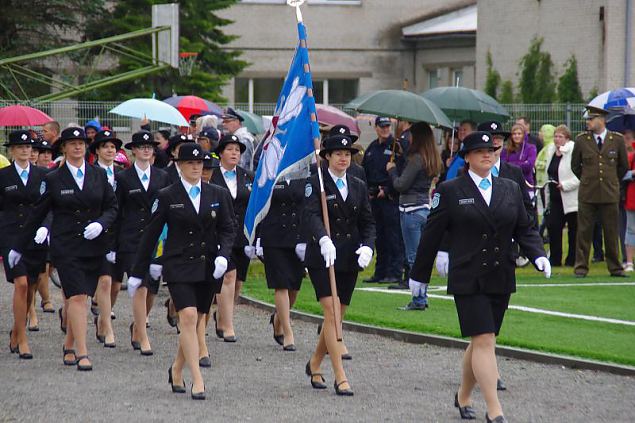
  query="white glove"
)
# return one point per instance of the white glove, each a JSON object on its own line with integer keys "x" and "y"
{"x": 300, "y": 251}
{"x": 93, "y": 230}
{"x": 542, "y": 264}
{"x": 13, "y": 259}
{"x": 112, "y": 257}
{"x": 259, "y": 252}
{"x": 443, "y": 262}
{"x": 155, "y": 271}
{"x": 417, "y": 288}
{"x": 220, "y": 267}
{"x": 328, "y": 251}
{"x": 365, "y": 255}
{"x": 133, "y": 284}
{"x": 250, "y": 251}
{"x": 41, "y": 235}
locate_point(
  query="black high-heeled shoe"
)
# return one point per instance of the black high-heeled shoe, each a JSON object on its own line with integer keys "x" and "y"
{"x": 467, "y": 412}
{"x": 219, "y": 333}
{"x": 135, "y": 344}
{"x": 343, "y": 392}
{"x": 309, "y": 373}
{"x": 278, "y": 338}
{"x": 197, "y": 395}
{"x": 171, "y": 319}
{"x": 177, "y": 389}
{"x": 290, "y": 347}
{"x": 15, "y": 349}
{"x": 100, "y": 338}
{"x": 497, "y": 419}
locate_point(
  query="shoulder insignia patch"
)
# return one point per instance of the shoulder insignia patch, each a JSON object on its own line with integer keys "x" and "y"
{"x": 435, "y": 200}
{"x": 155, "y": 206}
{"x": 308, "y": 190}
{"x": 42, "y": 187}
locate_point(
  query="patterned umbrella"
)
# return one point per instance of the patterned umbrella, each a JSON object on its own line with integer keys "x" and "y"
{"x": 22, "y": 116}
{"x": 620, "y": 98}
{"x": 190, "y": 105}
{"x": 330, "y": 116}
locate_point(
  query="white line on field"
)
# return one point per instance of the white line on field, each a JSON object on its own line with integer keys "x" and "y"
{"x": 515, "y": 307}
{"x": 550, "y": 285}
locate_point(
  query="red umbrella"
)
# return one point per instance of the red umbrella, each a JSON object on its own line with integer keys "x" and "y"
{"x": 22, "y": 116}
{"x": 330, "y": 116}
{"x": 190, "y": 105}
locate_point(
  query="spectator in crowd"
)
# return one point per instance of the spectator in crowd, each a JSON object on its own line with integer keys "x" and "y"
{"x": 629, "y": 204}
{"x": 45, "y": 156}
{"x": 162, "y": 158}
{"x": 91, "y": 128}
{"x": 51, "y": 132}
{"x": 531, "y": 139}
{"x": 521, "y": 153}
{"x": 546, "y": 136}
{"x": 206, "y": 122}
{"x": 599, "y": 161}
{"x": 233, "y": 124}
{"x": 208, "y": 139}
{"x": 465, "y": 128}
{"x": 562, "y": 195}
{"x": 423, "y": 164}
{"x": 628, "y": 141}
{"x": 450, "y": 148}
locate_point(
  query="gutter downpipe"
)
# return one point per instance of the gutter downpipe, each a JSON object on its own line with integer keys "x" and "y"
{"x": 628, "y": 54}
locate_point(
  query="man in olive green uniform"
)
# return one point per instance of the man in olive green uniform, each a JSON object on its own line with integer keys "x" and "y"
{"x": 599, "y": 161}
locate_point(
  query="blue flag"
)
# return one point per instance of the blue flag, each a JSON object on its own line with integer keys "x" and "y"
{"x": 288, "y": 145}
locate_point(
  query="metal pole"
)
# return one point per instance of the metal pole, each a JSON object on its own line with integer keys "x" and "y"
{"x": 568, "y": 115}
{"x": 628, "y": 51}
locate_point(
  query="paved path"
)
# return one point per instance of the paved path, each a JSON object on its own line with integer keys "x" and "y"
{"x": 253, "y": 380}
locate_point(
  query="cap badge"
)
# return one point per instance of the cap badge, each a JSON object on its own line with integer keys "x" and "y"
{"x": 146, "y": 137}
{"x": 76, "y": 133}
{"x": 107, "y": 133}
{"x": 24, "y": 136}
{"x": 494, "y": 126}
{"x": 485, "y": 138}
{"x": 342, "y": 131}
{"x": 344, "y": 142}
{"x": 195, "y": 153}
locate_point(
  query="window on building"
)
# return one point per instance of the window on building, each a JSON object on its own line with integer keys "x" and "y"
{"x": 318, "y": 91}
{"x": 434, "y": 75}
{"x": 317, "y": 2}
{"x": 342, "y": 91}
{"x": 457, "y": 77}
{"x": 267, "y": 90}
{"x": 241, "y": 90}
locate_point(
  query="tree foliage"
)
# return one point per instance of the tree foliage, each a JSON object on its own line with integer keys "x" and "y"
{"x": 537, "y": 82}
{"x": 492, "y": 79}
{"x": 569, "y": 90}
{"x": 507, "y": 92}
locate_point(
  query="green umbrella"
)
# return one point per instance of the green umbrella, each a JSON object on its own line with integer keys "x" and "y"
{"x": 402, "y": 105}
{"x": 461, "y": 103}
{"x": 252, "y": 122}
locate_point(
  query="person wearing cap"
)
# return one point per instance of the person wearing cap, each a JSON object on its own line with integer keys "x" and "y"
{"x": 200, "y": 235}
{"x": 348, "y": 248}
{"x": 174, "y": 144}
{"x": 238, "y": 182}
{"x": 600, "y": 162}
{"x": 83, "y": 207}
{"x": 45, "y": 156}
{"x": 208, "y": 139}
{"x": 91, "y": 128}
{"x": 210, "y": 163}
{"x": 136, "y": 189}
{"x": 19, "y": 191}
{"x": 384, "y": 203}
{"x": 466, "y": 127}
{"x": 233, "y": 125}
{"x": 481, "y": 215}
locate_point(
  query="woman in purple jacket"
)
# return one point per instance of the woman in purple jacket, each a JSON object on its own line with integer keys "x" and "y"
{"x": 521, "y": 153}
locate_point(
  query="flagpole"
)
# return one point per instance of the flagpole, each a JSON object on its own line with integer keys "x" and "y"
{"x": 337, "y": 312}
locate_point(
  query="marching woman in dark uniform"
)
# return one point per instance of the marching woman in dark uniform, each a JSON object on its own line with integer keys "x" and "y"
{"x": 84, "y": 208}
{"x": 238, "y": 181}
{"x": 19, "y": 190}
{"x": 104, "y": 148}
{"x": 481, "y": 214}
{"x": 174, "y": 144}
{"x": 136, "y": 189}
{"x": 278, "y": 236}
{"x": 353, "y": 236}
{"x": 201, "y": 230}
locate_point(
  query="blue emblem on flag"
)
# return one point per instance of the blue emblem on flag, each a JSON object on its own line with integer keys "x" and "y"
{"x": 288, "y": 145}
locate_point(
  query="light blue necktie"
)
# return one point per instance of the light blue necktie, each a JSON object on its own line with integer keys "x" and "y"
{"x": 485, "y": 183}
{"x": 194, "y": 192}
{"x": 339, "y": 183}
{"x": 24, "y": 175}
{"x": 80, "y": 174}
{"x": 231, "y": 174}
{"x": 495, "y": 171}
{"x": 145, "y": 177}
{"x": 109, "y": 171}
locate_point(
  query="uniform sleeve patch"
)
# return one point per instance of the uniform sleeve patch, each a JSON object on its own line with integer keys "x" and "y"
{"x": 308, "y": 190}
{"x": 435, "y": 200}
{"x": 155, "y": 205}
{"x": 42, "y": 187}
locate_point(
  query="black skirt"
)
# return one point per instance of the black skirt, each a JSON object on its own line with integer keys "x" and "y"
{"x": 240, "y": 262}
{"x": 123, "y": 265}
{"x": 30, "y": 265}
{"x": 283, "y": 269}
{"x": 196, "y": 294}
{"x": 481, "y": 313}
{"x": 79, "y": 275}
{"x": 344, "y": 281}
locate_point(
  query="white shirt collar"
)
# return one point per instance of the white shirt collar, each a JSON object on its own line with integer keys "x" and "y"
{"x": 19, "y": 169}
{"x": 74, "y": 169}
{"x": 602, "y": 135}
{"x": 142, "y": 172}
{"x": 335, "y": 177}
{"x": 477, "y": 179}
{"x": 227, "y": 170}
{"x": 188, "y": 186}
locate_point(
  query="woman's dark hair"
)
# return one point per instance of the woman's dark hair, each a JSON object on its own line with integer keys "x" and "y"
{"x": 423, "y": 143}
{"x": 164, "y": 133}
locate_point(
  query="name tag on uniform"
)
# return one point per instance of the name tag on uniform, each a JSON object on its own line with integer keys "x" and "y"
{"x": 278, "y": 186}
{"x": 67, "y": 192}
{"x": 331, "y": 197}
{"x": 388, "y": 152}
{"x": 612, "y": 154}
{"x": 134, "y": 191}
{"x": 10, "y": 188}
{"x": 214, "y": 205}
{"x": 464, "y": 201}
{"x": 177, "y": 206}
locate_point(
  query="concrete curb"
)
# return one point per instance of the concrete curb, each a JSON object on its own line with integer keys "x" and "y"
{"x": 445, "y": 341}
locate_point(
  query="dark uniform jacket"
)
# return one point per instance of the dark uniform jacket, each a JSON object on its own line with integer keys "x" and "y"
{"x": 134, "y": 205}
{"x": 16, "y": 204}
{"x": 599, "y": 171}
{"x": 281, "y": 227}
{"x": 514, "y": 173}
{"x": 193, "y": 238}
{"x": 480, "y": 237}
{"x": 73, "y": 209}
{"x": 376, "y": 157}
{"x": 354, "y": 170}
{"x": 173, "y": 173}
{"x": 351, "y": 221}
{"x": 244, "y": 181}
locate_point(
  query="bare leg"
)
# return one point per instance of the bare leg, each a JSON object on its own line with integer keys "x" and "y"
{"x": 77, "y": 325}
{"x": 149, "y": 302}
{"x": 239, "y": 287}
{"x": 283, "y": 315}
{"x": 188, "y": 317}
{"x": 177, "y": 366}
{"x": 43, "y": 289}
{"x": 20, "y": 301}
{"x": 485, "y": 370}
{"x": 225, "y": 300}
{"x": 32, "y": 313}
{"x": 332, "y": 345}
{"x": 200, "y": 335}
{"x": 139, "y": 314}
{"x": 468, "y": 381}
{"x": 103, "y": 300}
{"x": 115, "y": 287}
